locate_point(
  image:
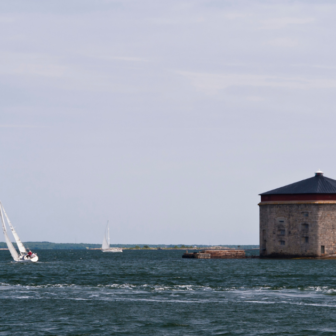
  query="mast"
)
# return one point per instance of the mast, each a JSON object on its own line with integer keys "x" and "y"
{"x": 108, "y": 235}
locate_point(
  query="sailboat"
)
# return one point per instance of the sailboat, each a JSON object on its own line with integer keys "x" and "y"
{"x": 106, "y": 242}
{"x": 23, "y": 256}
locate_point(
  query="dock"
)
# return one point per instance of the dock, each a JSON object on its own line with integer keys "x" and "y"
{"x": 216, "y": 254}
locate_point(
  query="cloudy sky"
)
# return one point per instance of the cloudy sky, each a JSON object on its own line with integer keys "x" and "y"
{"x": 166, "y": 118}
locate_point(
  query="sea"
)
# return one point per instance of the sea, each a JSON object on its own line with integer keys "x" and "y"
{"x": 148, "y": 292}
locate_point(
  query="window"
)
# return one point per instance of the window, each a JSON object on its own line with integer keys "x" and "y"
{"x": 282, "y": 232}
{"x": 305, "y": 227}
{"x": 282, "y": 242}
{"x": 322, "y": 249}
{"x": 305, "y": 214}
{"x": 306, "y": 239}
{"x": 280, "y": 220}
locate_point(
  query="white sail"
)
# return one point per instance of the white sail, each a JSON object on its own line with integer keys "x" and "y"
{"x": 11, "y": 248}
{"x": 106, "y": 240}
{"x": 105, "y": 244}
{"x": 21, "y": 247}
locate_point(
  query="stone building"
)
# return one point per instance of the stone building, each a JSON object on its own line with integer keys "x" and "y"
{"x": 299, "y": 220}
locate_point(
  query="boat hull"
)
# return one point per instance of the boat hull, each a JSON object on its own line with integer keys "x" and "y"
{"x": 35, "y": 258}
{"x": 113, "y": 250}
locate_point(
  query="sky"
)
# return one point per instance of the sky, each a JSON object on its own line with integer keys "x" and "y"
{"x": 166, "y": 118}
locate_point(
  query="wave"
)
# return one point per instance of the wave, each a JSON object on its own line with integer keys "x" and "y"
{"x": 176, "y": 288}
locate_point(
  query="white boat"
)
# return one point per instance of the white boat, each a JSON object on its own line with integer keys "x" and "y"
{"x": 23, "y": 256}
{"x": 106, "y": 242}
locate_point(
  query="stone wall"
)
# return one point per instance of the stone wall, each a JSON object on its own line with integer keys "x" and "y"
{"x": 327, "y": 228}
{"x": 297, "y": 229}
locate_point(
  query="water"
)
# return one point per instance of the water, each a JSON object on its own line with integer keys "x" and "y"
{"x": 159, "y": 293}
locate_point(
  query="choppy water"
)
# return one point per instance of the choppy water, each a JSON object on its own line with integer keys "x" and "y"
{"x": 159, "y": 293}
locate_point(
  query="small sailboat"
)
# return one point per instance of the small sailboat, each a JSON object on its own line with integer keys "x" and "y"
{"x": 23, "y": 256}
{"x": 106, "y": 242}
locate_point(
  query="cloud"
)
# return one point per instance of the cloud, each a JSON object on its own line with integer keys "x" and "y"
{"x": 18, "y": 126}
{"x": 284, "y": 22}
{"x": 107, "y": 57}
{"x": 30, "y": 64}
{"x": 6, "y": 19}
{"x": 284, "y": 43}
{"x": 177, "y": 21}
{"x": 29, "y": 67}
{"x": 212, "y": 84}
{"x": 128, "y": 59}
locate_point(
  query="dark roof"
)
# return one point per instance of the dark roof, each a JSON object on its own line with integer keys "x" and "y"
{"x": 318, "y": 184}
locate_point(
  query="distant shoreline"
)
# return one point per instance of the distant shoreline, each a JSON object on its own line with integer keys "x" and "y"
{"x": 83, "y": 246}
